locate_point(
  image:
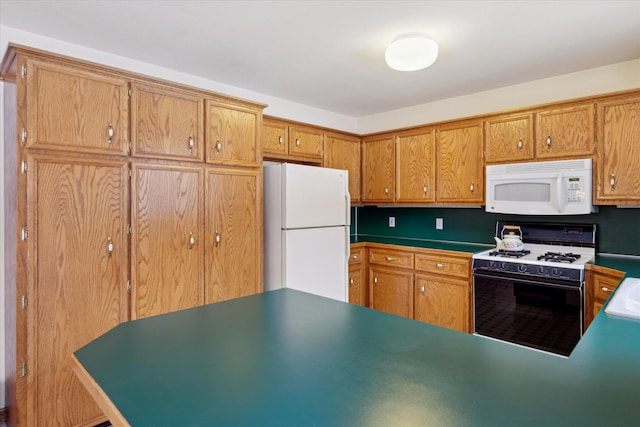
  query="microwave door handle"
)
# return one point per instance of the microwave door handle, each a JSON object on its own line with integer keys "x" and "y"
{"x": 559, "y": 195}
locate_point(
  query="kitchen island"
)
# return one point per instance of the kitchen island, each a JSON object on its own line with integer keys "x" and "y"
{"x": 289, "y": 358}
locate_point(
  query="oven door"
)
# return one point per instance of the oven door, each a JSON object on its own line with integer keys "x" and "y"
{"x": 544, "y": 314}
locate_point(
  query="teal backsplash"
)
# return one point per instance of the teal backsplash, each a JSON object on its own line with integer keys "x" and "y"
{"x": 618, "y": 230}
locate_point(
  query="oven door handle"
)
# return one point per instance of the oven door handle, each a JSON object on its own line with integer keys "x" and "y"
{"x": 531, "y": 281}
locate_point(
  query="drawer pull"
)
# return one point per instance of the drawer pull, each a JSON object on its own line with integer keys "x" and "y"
{"x": 422, "y": 289}
{"x": 350, "y": 281}
{"x": 191, "y": 143}
{"x": 390, "y": 258}
{"x": 354, "y": 256}
{"x": 520, "y": 144}
{"x": 605, "y": 289}
{"x": 549, "y": 141}
{"x": 375, "y": 280}
{"x": 440, "y": 265}
{"x": 110, "y": 133}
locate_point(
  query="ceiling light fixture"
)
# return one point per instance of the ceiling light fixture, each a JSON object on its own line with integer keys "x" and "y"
{"x": 411, "y": 52}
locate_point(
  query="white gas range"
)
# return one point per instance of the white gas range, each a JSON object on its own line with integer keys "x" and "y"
{"x": 534, "y": 297}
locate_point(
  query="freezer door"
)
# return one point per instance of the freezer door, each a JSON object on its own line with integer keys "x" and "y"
{"x": 314, "y": 197}
{"x": 316, "y": 261}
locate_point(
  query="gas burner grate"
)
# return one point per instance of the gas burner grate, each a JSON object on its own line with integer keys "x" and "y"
{"x": 559, "y": 257}
{"x": 509, "y": 254}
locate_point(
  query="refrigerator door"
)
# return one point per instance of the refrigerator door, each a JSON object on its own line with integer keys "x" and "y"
{"x": 317, "y": 261}
{"x": 314, "y": 197}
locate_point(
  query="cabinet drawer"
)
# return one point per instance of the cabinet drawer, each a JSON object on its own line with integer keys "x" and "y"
{"x": 357, "y": 255}
{"x": 603, "y": 287}
{"x": 391, "y": 258}
{"x": 451, "y": 266}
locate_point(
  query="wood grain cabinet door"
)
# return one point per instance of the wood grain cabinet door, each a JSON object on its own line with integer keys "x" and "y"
{"x": 460, "y": 169}
{"x": 442, "y": 301}
{"x": 306, "y": 141}
{"x": 166, "y": 123}
{"x": 232, "y": 134}
{"x": 391, "y": 291}
{"x": 167, "y": 225}
{"x": 565, "y": 132}
{"x": 78, "y": 291}
{"x": 275, "y": 137}
{"x": 618, "y": 176}
{"x": 378, "y": 170}
{"x": 76, "y": 110}
{"x": 343, "y": 152}
{"x": 233, "y": 230}
{"x": 415, "y": 167}
{"x": 509, "y": 138}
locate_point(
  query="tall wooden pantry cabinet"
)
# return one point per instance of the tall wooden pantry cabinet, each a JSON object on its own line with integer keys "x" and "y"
{"x": 126, "y": 197}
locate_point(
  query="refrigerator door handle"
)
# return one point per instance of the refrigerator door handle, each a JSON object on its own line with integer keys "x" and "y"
{"x": 347, "y": 244}
{"x": 347, "y": 197}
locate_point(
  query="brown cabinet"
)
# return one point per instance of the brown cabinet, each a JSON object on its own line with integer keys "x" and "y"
{"x": 167, "y": 238}
{"x": 342, "y": 151}
{"x": 378, "y": 169}
{"x": 443, "y": 290}
{"x": 286, "y": 141}
{"x": 565, "y": 132}
{"x": 233, "y": 234}
{"x": 232, "y": 133}
{"x": 77, "y": 285}
{"x": 357, "y": 268}
{"x": 391, "y": 281}
{"x": 166, "y": 123}
{"x": 600, "y": 284}
{"x": 618, "y": 161}
{"x": 460, "y": 169}
{"x": 415, "y": 166}
{"x": 74, "y": 109}
{"x": 509, "y": 138}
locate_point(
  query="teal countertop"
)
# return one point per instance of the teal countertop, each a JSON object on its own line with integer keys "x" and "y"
{"x": 287, "y": 358}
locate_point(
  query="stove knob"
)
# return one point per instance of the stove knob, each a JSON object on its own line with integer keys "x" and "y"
{"x": 555, "y": 272}
{"x": 522, "y": 268}
{"x": 504, "y": 266}
{"x": 541, "y": 270}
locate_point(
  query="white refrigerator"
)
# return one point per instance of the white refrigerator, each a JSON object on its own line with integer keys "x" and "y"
{"x": 306, "y": 229}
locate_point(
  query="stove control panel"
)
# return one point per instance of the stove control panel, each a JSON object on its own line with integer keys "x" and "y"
{"x": 573, "y": 274}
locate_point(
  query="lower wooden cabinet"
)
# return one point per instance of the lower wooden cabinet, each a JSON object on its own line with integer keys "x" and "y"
{"x": 600, "y": 284}
{"x": 391, "y": 290}
{"x": 428, "y": 285}
{"x": 358, "y": 289}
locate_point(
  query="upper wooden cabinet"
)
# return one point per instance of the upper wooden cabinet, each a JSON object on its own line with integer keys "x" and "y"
{"x": 565, "y": 132}
{"x": 415, "y": 166}
{"x": 459, "y": 164}
{"x": 166, "y": 123}
{"x": 378, "y": 169}
{"x": 343, "y": 152}
{"x": 283, "y": 140}
{"x": 232, "y": 133}
{"x": 618, "y": 161}
{"x": 509, "y": 138}
{"x": 76, "y": 110}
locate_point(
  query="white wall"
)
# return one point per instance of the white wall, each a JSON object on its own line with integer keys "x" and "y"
{"x": 610, "y": 78}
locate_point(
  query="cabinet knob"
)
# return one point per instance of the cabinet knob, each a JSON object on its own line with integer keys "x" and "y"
{"x": 390, "y": 258}
{"x": 191, "y": 143}
{"x": 192, "y": 240}
{"x": 297, "y": 142}
{"x": 422, "y": 289}
{"x": 605, "y": 289}
{"x": 354, "y": 256}
{"x": 109, "y": 246}
{"x": 549, "y": 141}
{"x": 520, "y": 144}
{"x": 612, "y": 181}
{"x": 424, "y": 189}
{"x": 350, "y": 281}
{"x": 375, "y": 280}
{"x": 440, "y": 265}
{"x": 472, "y": 187}
{"x": 386, "y": 190}
{"x": 280, "y": 140}
{"x": 217, "y": 238}
{"x": 110, "y": 133}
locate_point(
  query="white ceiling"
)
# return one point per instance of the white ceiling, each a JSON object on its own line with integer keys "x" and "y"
{"x": 330, "y": 54}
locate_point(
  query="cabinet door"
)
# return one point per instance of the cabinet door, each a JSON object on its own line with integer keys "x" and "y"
{"x": 305, "y": 141}
{"x": 76, "y": 110}
{"x": 415, "y": 167}
{"x": 565, "y": 132}
{"x": 233, "y": 230}
{"x": 391, "y": 291}
{"x": 167, "y": 239}
{"x": 442, "y": 301}
{"x": 460, "y": 169}
{"x": 378, "y": 170}
{"x": 166, "y": 123}
{"x": 356, "y": 294}
{"x": 343, "y": 152}
{"x": 509, "y": 138}
{"x": 77, "y": 290}
{"x": 618, "y": 180}
{"x": 275, "y": 137}
{"x": 232, "y": 135}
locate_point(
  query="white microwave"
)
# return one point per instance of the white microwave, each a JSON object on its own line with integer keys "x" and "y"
{"x": 540, "y": 188}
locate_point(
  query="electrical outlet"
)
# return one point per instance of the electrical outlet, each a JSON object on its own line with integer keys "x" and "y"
{"x": 439, "y": 224}
{"x": 392, "y": 221}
